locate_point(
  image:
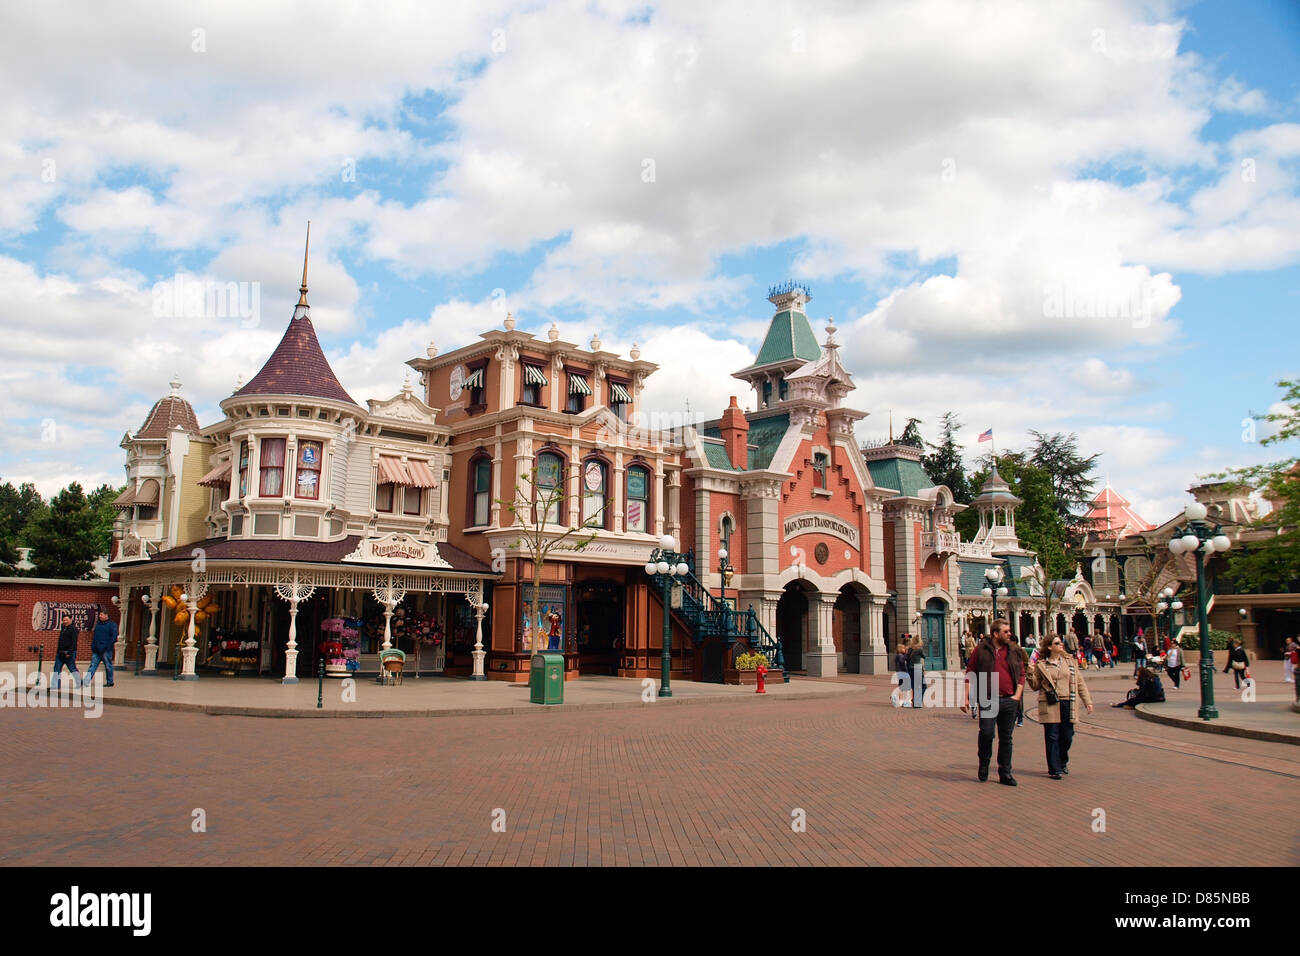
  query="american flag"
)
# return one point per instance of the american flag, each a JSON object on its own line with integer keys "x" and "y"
{"x": 987, "y": 436}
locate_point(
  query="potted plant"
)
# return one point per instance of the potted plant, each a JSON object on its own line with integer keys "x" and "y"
{"x": 744, "y": 667}
{"x": 336, "y": 664}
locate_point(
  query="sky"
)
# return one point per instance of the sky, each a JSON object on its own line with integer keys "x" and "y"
{"x": 1080, "y": 218}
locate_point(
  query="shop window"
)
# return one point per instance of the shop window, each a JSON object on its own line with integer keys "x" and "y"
{"x": 620, "y": 399}
{"x": 309, "y": 459}
{"x": 481, "y": 505}
{"x": 534, "y": 382}
{"x": 272, "y": 467}
{"x": 243, "y": 468}
{"x": 550, "y": 476}
{"x": 595, "y": 483}
{"x": 579, "y": 392}
{"x": 637, "y": 505}
{"x": 820, "y": 463}
{"x": 384, "y": 498}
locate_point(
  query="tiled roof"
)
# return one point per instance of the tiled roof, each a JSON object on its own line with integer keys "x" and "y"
{"x": 970, "y": 577}
{"x": 715, "y": 456}
{"x": 765, "y": 435}
{"x": 1111, "y": 515}
{"x": 903, "y": 475}
{"x": 789, "y": 336}
{"x": 314, "y": 552}
{"x": 297, "y": 366}
{"x": 165, "y": 415}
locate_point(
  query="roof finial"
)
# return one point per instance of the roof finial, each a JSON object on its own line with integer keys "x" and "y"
{"x": 175, "y": 383}
{"x": 891, "y": 426}
{"x": 302, "y": 291}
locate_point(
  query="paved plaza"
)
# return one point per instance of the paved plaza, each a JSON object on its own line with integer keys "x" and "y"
{"x": 716, "y": 783}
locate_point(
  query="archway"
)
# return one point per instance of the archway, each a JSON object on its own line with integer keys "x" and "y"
{"x": 1080, "y": 623}
{"x": 792, "y": 624}
{"x": 1060, "y": 624}
{"x": 1098, "y": 624}
{"x": 847, "y": 628}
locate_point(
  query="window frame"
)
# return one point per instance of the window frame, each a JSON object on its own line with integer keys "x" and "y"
{"x": 419, "y": 501}
{"x": 560, "y": 505}
{"x": 619, "y": 408}
{"x": 821, "y": 465}
{"x": 603, "y": 521}
{"x": 480, "y": 458}
{"x": 299, "y": 469}
{"x": 648, "y": 517}
{"x": 540, "y": 400}
{"x": 477, "y": 396}
{"x": 392, "y": 498}
{"x": 263, "y": 469}
{"x": 245, "y": 456}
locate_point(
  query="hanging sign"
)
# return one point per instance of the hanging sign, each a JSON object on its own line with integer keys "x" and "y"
{"x": 397, "y": 548}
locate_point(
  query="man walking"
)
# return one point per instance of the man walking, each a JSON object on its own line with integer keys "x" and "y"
{"x": 66, "y": 653}
{"x": 101, "y": 647}
{"x": 999, "y": 680}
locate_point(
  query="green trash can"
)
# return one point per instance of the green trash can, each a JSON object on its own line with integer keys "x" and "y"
{"x": 546, "y": 679}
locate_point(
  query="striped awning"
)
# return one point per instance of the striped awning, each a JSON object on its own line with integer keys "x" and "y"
{"x": 392, "y": 471}
{"x": 618, "y": 393}
{"x": 126, "y": 499}
{"x": 148, "y": 493}
{"x": 534, "y": 375}
{"x": 578, "y": 385}
{"x": 474, "y": 379}
{"x": 218, "y": 477}
{"x": 421, "y": 475}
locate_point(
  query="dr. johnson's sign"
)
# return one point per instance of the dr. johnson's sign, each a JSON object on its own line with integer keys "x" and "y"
{"x": 814, "y": 522}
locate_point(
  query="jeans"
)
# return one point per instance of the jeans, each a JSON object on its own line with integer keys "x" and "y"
{"x": 918, "y": 686}
{"x": 1005, "y": 723}
{"x": 71, "y": 665}
{"x": 1175, "y": 673}
{"x": 95, "y": 658}
{"x": 1058, "y": 738}
{"x": 1138, "y": 664}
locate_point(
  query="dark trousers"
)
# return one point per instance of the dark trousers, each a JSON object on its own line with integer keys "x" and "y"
{"x": 1238, "y": 676}
{"x": 1175, "y": 673}
{"x": 1005, "y": 724}
{"x": 1058, "y": 738}
{"x": 71, "y": 665}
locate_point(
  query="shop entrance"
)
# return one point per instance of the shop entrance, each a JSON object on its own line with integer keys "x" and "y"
{"x": 791, "y": 616}
{"x": 307, "y": 633}
{"x": 600, "y": 612}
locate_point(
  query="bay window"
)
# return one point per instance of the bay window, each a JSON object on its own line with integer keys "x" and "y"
{"x": 309, "y": 462}
{"x": 243, "y": 468}
{"x": 272, "y": 468}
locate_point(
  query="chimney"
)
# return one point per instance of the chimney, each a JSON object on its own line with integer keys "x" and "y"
{"x": 735, "y": 435}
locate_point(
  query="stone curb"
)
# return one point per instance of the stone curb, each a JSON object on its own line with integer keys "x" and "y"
{"x": 1215, "y": 727}
{"x": 225, "y": 710}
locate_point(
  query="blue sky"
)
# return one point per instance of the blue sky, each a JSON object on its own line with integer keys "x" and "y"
{"x": 938, "y": 174}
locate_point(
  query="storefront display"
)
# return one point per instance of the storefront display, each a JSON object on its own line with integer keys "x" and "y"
{"x": 235, "y": 652}
{"x": 341, "y": 647}
{"x": 549, "y": 623}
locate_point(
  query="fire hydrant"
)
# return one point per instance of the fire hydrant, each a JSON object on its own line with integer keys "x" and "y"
{"x": 762, "y": 684}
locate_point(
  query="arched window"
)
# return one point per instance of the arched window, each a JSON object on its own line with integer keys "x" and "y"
{"x": 480, "y": 507}
{"x": 724, "y": 534}
{"x": 550, "y": 485}
{"x": 595, "y": 493}
{"x": 637, "y": 503}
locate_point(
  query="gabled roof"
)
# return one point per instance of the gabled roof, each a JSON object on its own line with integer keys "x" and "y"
{"x": 297, "y": 366}
{"x": 1111, "y": 515}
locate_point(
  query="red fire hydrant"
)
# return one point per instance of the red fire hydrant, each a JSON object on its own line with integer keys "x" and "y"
{"x": 762, "y": 683}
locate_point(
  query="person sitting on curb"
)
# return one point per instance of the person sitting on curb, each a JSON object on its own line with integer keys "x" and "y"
{"x": 1148, "y": 690}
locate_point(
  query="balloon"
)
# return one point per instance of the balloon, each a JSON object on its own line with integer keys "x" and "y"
{"x": 169, "y": 600}
{"x": 181, "y": 618}
{"x": 200, "y": 617}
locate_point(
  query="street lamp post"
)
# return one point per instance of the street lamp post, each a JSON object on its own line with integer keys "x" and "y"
{"x": 728, "y": 572}
{"x": 994, "y": 589}
{"x": 1166, "y": 607}
{"x": 1201, "y": 539}
{"x": 666, "y": 562}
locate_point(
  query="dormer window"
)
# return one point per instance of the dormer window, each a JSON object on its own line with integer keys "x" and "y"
{"x": 579, "y": 392}
{"x": 619, "y": 400}
{"x": 534, "y": 381}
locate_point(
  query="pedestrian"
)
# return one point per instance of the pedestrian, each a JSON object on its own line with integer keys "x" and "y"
{"x": 999, "y": 684}
{"x": 1060, "y": 687}
{"x": 1112, "y": 649}
{"x": 66, "y": 654}
{"x": 916, "y": 667}
{"x": 1174, "y": 663}
{"x": 1071, "y": 642}
{"x": 900, "y": 672}
{"x": 964, "y": 646}
{"x": 1024, "y": 669}
{"x": 1238, "y": 662}
{"x": 1139, "y": 654}
{"x": 1288, "y": 659}
{"x": 101, "y": 647}
{"x": 1149, "y": 690}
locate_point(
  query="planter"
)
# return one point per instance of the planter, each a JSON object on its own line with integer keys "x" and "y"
{"x": 337, "y": 670}
{"x": 732, "y": 676}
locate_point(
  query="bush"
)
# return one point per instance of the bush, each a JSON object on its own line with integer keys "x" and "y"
{"x": 1218, "y": 640}
{"x": 750, "y": 662}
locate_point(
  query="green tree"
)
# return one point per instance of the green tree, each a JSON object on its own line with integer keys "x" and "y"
{"x": 1273, "y": 563}
{"x": 63, "y": 540}
{"x": 944, "y": 464}
{"x": 1071, "y": 476}
{"x": 19, "y": 507}
{"x": 911, "y": 435}
{"x": 101, "y": 503}
{"x": 1039, "y": 525}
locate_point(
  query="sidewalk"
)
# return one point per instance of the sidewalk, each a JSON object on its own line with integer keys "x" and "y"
{"x": 1269, "y": 717}
{"x": 422, "y": 697}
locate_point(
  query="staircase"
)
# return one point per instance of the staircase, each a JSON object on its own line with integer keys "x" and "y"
{"x": 704, "y": 616}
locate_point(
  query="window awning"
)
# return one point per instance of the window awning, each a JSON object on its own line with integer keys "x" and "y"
{"x": 474, "y": 379}
{"x": 578, "y": 385}
{"x": 534, "y": 376}
{"x": 148, "y": 493}
{"x": 618, "y": 393}
{"x": 421, "y": 475}
{"x": 392, "y": 471}
{"x": 218, "y": 477}
{"x": 126, "y": 499}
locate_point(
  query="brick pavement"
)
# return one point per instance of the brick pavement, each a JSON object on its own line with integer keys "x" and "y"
{"x": 713, "y": 784}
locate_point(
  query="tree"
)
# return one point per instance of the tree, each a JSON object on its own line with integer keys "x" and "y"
{"x": 63, "y": 539}
{"x": 19, "y": 508}
{"x": 101, "y": 503}
{"x": 944, "y": 464}
{"x": 1273, "y": 563}
{"x": 532, "y": 503}
{"x": 1070, "y": 472}
{"x": 912, "y": 435}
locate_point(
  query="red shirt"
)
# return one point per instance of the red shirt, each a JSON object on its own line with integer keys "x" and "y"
{"x": 1006, "y": 683}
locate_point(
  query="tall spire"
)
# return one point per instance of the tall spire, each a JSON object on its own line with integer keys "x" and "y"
{"x": 302, "y": 291}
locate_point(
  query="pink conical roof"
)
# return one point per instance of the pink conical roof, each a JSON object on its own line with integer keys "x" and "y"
{"x": 1111, "y": 515}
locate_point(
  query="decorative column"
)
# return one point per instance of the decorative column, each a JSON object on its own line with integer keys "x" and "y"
{"x": 151, "y": 644}
{"x": 480, "y": 655}
{"x": 389, "y": 594}
{"x": 293, "y": 588}
{"x": 123, "y": 603}
{"x": 190, "y": 649}
{"x": 821, "y": 660}
{"x": 874, "y": 656}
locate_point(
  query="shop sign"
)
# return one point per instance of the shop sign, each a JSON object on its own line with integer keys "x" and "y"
{"x": 48, "y": 615}
{"x": 397, "y": 548}
{"x": 815, "y": 522}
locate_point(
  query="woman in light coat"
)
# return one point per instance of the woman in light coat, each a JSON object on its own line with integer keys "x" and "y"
{"x": 1058, "y": 672}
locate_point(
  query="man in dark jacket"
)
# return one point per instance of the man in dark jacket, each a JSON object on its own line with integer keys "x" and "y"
{"x": 101, "y": 647}
{"x": 999, "y": 675}
{"x": 66, "y": 654}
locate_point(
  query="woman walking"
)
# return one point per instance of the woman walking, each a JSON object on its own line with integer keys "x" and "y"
{"x": 1238, "y": 661}
{"x": 900, "y": 674}
{"x": 1060, "y": 688}
{"x": 1174, "y": 663}
{"x": 1139, "y": 654}
{"x": 1288, "y": 659}
{"x": 916, "y": 667}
